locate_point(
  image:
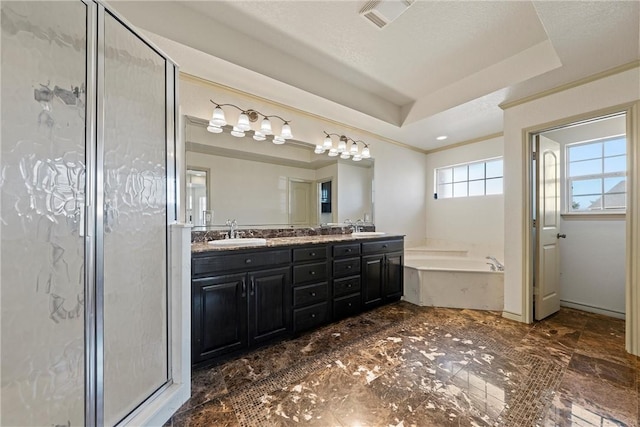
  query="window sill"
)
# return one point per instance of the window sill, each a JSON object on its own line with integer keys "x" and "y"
{"x": 594, "y": 216}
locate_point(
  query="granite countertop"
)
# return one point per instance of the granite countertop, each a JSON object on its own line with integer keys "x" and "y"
{"x": 290, "y": 241}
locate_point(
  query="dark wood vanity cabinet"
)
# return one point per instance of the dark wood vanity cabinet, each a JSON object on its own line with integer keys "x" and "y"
{"x": 232, "y": 311}
{"x": 246, "y": 297}
{"x": 382, "y": 272}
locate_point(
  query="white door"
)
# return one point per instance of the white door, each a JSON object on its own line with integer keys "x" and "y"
{"x": 547, "y": 278}
{"x": 300, "y": 198}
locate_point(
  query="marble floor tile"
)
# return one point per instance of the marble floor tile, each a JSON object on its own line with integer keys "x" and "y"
{"x": 403, "y": 365}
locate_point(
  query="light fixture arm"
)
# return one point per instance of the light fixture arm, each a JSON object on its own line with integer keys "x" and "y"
{"x": 253, "y": 114}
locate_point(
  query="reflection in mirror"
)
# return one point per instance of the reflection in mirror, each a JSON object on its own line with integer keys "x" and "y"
{"x": 198, "y": 212}
{"x": 262, "y": 184}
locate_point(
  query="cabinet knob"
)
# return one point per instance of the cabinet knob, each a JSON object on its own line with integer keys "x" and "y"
{"x": 349, "y": 285}
{"x": 313, "y": 294}
{"x": 247, "y": 261}
{"x": 349, "y": 250}
{"x": 313, "y": 315}
{"x": 312, "y": 254}
{"x": 384, "y": 246}
{"x": 313, "y": 273}
{"x": 349, "y": 304}
{"x": 349, "y": 267}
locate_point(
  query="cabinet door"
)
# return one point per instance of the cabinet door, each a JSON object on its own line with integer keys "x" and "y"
{"x": 219, "y": 316}
{"x": 395, "y": 274}
{"x": 269, "y": 304}
{"x": 372, "y": 280}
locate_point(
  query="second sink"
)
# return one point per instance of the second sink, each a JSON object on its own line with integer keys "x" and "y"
{"x": 238, "y": 242}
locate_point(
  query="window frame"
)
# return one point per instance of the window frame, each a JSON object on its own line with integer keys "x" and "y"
{"x": 568, "y": 180}
{"x": 437, "y": 183}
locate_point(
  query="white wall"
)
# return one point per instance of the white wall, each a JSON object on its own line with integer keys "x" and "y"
{"x": 399, "y": 173}
{"x": 607, "y": 92}
{"x": 473, "y": 223}
{"x": 592, "y": 266}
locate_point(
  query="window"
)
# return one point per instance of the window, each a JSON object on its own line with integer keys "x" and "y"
{"x": 469, "y": 179}
{"x": 596, "y": 174}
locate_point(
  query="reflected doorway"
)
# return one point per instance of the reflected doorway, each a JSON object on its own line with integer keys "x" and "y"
{"x": 198, "y": 209}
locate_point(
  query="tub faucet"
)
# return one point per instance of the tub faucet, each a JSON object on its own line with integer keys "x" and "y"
{"x": 233, "y": 229}
{"x": 495, "y": 264}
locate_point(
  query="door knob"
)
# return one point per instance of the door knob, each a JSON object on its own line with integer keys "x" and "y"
{"x": 561, "y": 236}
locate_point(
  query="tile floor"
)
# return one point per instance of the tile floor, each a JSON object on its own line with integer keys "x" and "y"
{"x": 403, "y": 365}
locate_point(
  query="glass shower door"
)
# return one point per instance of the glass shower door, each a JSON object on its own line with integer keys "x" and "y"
{"x": 135, "y": 221}
{"x": 42, "y": 189}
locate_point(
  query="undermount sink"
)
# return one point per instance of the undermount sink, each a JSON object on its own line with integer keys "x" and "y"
{"x": 368, "y": 233}
{"x": 238, "y": 242}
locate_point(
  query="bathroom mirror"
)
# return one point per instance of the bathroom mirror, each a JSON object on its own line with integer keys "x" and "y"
{"x": 266, "y": 185}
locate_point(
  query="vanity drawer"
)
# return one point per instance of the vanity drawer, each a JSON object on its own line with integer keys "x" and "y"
{"x": 382, "y": 246}
{"x": 346, "y": 306}
{"x": 346, "y": 286}
{"x": 346, "y": 267}
{"x": 310, "y": 273}
{"x": 310, "y": 253}
{"x": 310, "y": 294}
{"x": 309, "y": 317}
{"x": 352, "y": 249}
{"x": 236, "y": 261}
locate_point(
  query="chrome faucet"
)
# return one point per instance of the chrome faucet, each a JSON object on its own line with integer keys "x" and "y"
{"x": 359, "y": 226}
{"x": 495, "y": 264}
{"x": 349, "y": 223}
{"x": 233, "y": 229}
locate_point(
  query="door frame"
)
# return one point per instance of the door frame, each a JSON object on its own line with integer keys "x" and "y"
{"x": 312, "y": 197}
{"x": 632, "y": 283}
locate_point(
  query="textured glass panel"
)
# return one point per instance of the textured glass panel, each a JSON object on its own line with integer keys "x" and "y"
{"x": 445, "y": 191}
{"x": 476, "y": 188}
{"x": 445, "y": 175}
{"x": 615, "y": 147}
{"x": 476, "y": 171}
{"x": 460, "y": 173}
{"x": 587, "y": 186}
{"x": 615, "y": 164}
{"x": 42, "y": 184}
{"x": 494, "y": 186}
{"x": 585, "y": 151}
{"x": 135, "y": 296}
{"x": 585, "y": 167}
{"x": 460, "y": 189}
{"x": 494, "y": 168}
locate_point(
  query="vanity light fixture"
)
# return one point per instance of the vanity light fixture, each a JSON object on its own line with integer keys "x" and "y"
{"x": 342, "y": 149}
{"x": 246, "y": 118}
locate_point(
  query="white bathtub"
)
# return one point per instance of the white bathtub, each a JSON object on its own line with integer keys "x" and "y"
{"x": 457, "y": 282}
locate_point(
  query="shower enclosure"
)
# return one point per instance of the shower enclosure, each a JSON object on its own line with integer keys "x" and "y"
{"x": 87, "y": 194}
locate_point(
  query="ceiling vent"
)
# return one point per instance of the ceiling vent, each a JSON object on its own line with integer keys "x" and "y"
{"x": 382, "y": 12}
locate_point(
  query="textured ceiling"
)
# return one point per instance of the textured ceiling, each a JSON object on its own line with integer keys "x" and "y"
{"x": 442, "y": 67}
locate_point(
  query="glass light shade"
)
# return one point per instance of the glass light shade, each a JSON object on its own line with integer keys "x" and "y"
{"x": 357, "y": 158}
{"x": 259, "y": 136}
{"x": 278, "y": 140}
{"x": 265, "y": 127}
{"x": 354, "y": 148}
{"x": 286, "y": 131}
{"x": 319, "y": 149}
{"x": 328, "y": 143}
{"x": 214, "y": 129}
{"x": 342, "y": 146}
{"x": 333, "y": 152}
{"x": 366, "y": 153}
{"x": 238, "y": 133}
{"x": 218, "y": 119}
{"x": 345, "y": 155}
{"x": 243, "y": 123}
